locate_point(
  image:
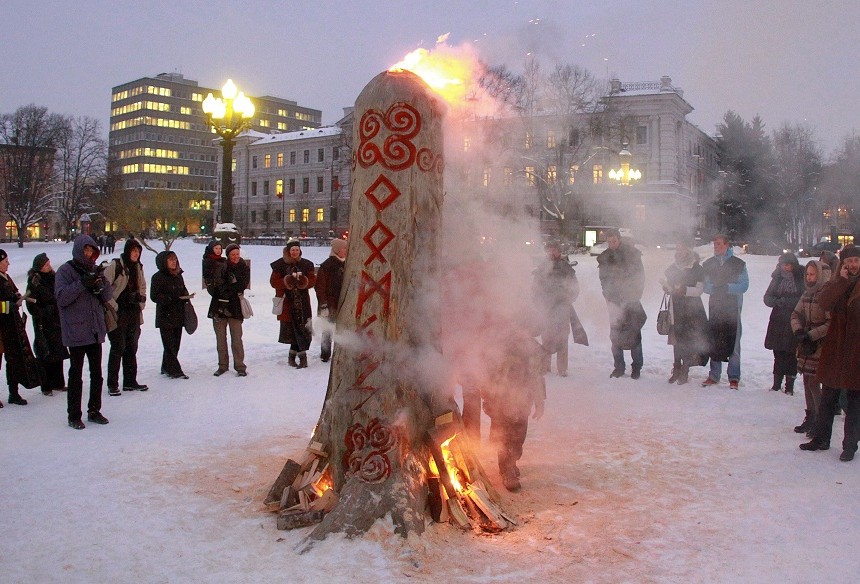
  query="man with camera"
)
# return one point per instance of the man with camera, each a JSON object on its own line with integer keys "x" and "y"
{"x": 81, "y": 290}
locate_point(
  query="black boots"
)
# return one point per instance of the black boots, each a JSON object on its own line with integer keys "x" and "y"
{"x": 684, "y": 374}
{"x": 777, "y": 383}
{"x": 815, "y": 444}
{"x": 15, "y": 397}
{"x": 292, "y": 361}
{"x": 807, "y": 423}
{"x": 303, "y": 360}
{"x": 789, "y": 384}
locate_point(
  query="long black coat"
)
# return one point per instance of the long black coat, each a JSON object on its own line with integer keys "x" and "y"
{"x": 166, "y": 290}
{"x": 689, "y": 322}
{"x": 48, "y": 339}
{"x": 726, "y": 282}
{"x": 622, "y": 280}
{"x": 21, "y": 365}
{"x": 779, "y": 335}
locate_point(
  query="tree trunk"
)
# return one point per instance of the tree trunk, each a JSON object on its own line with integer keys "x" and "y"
{"x": 381, "y": 400}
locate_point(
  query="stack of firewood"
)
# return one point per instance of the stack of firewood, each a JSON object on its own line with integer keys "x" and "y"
{"x": 302, "y": 493}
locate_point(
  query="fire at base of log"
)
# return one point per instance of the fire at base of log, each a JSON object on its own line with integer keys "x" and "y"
{"x": 459, "y": 493}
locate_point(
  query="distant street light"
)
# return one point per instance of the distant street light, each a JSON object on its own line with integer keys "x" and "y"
{"x": 228, "y": 117}
{"x": 625, "y": 175}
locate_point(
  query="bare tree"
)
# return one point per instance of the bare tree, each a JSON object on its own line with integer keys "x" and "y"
{"x": 81, "y": 168}
{"x": 154, "y": 214}
{"x": 798, "y": 162}
{"x": 28, "y": 141}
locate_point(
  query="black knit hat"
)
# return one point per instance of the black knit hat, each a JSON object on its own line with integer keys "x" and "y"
{"x": 789, "y": 258}
{"x": 3, "y": 255}
{"x": 38, "y": 261}
{"x": 849, "y": 251}
{"x": 293, "y": 243}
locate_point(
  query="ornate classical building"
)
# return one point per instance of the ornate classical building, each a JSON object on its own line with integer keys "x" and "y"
{"x": 560, "y": 167}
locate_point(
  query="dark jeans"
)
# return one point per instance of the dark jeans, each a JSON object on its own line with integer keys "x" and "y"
{"x": 170, "y": 340}
{"x": 123, "y": 349}
{"x": 635, "y": 355}
{"x": 93, "y": 353}
{"x": 824, "y": 422}
{"x": 509, "y": 435}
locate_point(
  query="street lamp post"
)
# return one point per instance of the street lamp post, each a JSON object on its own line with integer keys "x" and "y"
{"x": 625, "y": 175}
{"x": 228, "y": 115}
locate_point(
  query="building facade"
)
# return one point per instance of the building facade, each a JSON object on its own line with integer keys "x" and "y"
{"x": 559, "y": 167}
{"x": 294, "y": 184}
{"x": 159, "y": 138}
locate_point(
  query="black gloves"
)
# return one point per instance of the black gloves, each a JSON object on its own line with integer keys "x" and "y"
{"x": 94, "y": 282}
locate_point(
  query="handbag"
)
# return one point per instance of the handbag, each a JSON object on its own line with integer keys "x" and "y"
{"x": 190, "y": 319}
{"x": 246, "y": 307}
{"x": 277, "y": 305}
{"x": 664, "y": 319}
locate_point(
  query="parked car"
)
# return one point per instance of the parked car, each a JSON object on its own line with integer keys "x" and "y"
{"x": 768, "y": 247}
{"x": 815, "y": 250}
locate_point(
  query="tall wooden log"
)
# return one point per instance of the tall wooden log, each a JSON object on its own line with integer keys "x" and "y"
{"x": 380, "y": 400}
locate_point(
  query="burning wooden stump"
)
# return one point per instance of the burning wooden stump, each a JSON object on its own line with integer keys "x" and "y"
{"x": 389, "y": 436}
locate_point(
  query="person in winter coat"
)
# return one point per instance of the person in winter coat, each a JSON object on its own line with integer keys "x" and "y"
{"x": 21, "y": 366}
{"x": 124, "y": 313}
{"x": 622, "y": 279}
{"x": 292, "y": 277}
{"x": 726, "y": 281}
{"x": 48, "y": 341}
{"x": 556, "y": 289}
{"x": 684, "y": 282}
{"x": 810, "y": 323}
{"x": 229, "y": 281}
{"x": 327, "y": 287}
{"x": 517, "y": 389}
{"x": 81, "y": 292}
{"x": 168, "y": 291}
{"x": 782, "y": 294}
{"x": 212, "y": 258}
{"x": 840, "y": 354}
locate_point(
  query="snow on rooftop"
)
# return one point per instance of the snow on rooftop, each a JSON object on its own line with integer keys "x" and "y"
{"x": 287, "y": 136}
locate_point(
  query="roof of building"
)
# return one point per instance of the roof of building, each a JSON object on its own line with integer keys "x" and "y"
{"x": 262, "y": 138}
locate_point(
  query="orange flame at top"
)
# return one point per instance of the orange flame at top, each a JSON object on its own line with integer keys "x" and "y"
{"x": 447, "y": 71}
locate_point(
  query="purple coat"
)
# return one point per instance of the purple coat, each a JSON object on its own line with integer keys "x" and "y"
{"x": 82, "y": 318}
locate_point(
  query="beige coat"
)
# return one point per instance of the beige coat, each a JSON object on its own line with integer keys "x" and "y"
{"x": 118, "y": 282}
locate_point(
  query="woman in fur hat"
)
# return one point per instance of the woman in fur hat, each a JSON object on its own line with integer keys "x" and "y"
{"x": 229, "y": 281}
{"x": 292, "y": 277}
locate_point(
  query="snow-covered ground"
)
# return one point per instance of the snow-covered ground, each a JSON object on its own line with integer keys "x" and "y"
{"x": 623, "y": 480}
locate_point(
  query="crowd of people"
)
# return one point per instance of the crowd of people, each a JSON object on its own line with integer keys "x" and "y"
{"x": 84, "y": 302}
{"x": 813, "y": 328}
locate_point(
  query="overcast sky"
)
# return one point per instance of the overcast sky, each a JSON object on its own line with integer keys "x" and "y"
{"x": 786, "y": 60}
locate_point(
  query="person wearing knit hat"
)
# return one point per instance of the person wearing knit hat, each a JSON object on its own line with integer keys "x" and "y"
{"x": 292, "y": 277}
{"x": 327, "y": 288}
{"x": 48, "y": 341}
{"x": 229, "y": 281}
{"x": 782, "y": 295}
{"x": 125, "y": 316}
{"x": 840, "y": 353}
{"x": 21, "y": 366}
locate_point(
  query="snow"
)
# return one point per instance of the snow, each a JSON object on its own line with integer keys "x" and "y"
{"x": 623, "y": 480}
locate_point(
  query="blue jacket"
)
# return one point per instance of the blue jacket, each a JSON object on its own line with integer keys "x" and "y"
{"x": 82, "y": 318}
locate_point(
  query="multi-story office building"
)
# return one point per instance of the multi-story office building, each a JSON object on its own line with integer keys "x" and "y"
{"x": 293, "y": 184}
{"x": 159, "y": 138}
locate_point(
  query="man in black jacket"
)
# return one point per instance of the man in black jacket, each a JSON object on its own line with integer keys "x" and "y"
{"x": 622, "y": 279}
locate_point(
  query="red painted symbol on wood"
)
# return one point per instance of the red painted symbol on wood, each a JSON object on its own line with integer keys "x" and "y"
{"x": 369, "y": 287}
{"x": 387, "y": 236}
{"x": 401, "y": 123}
{"x": 367, "y": 450}
{"x": 382, "y": 193}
